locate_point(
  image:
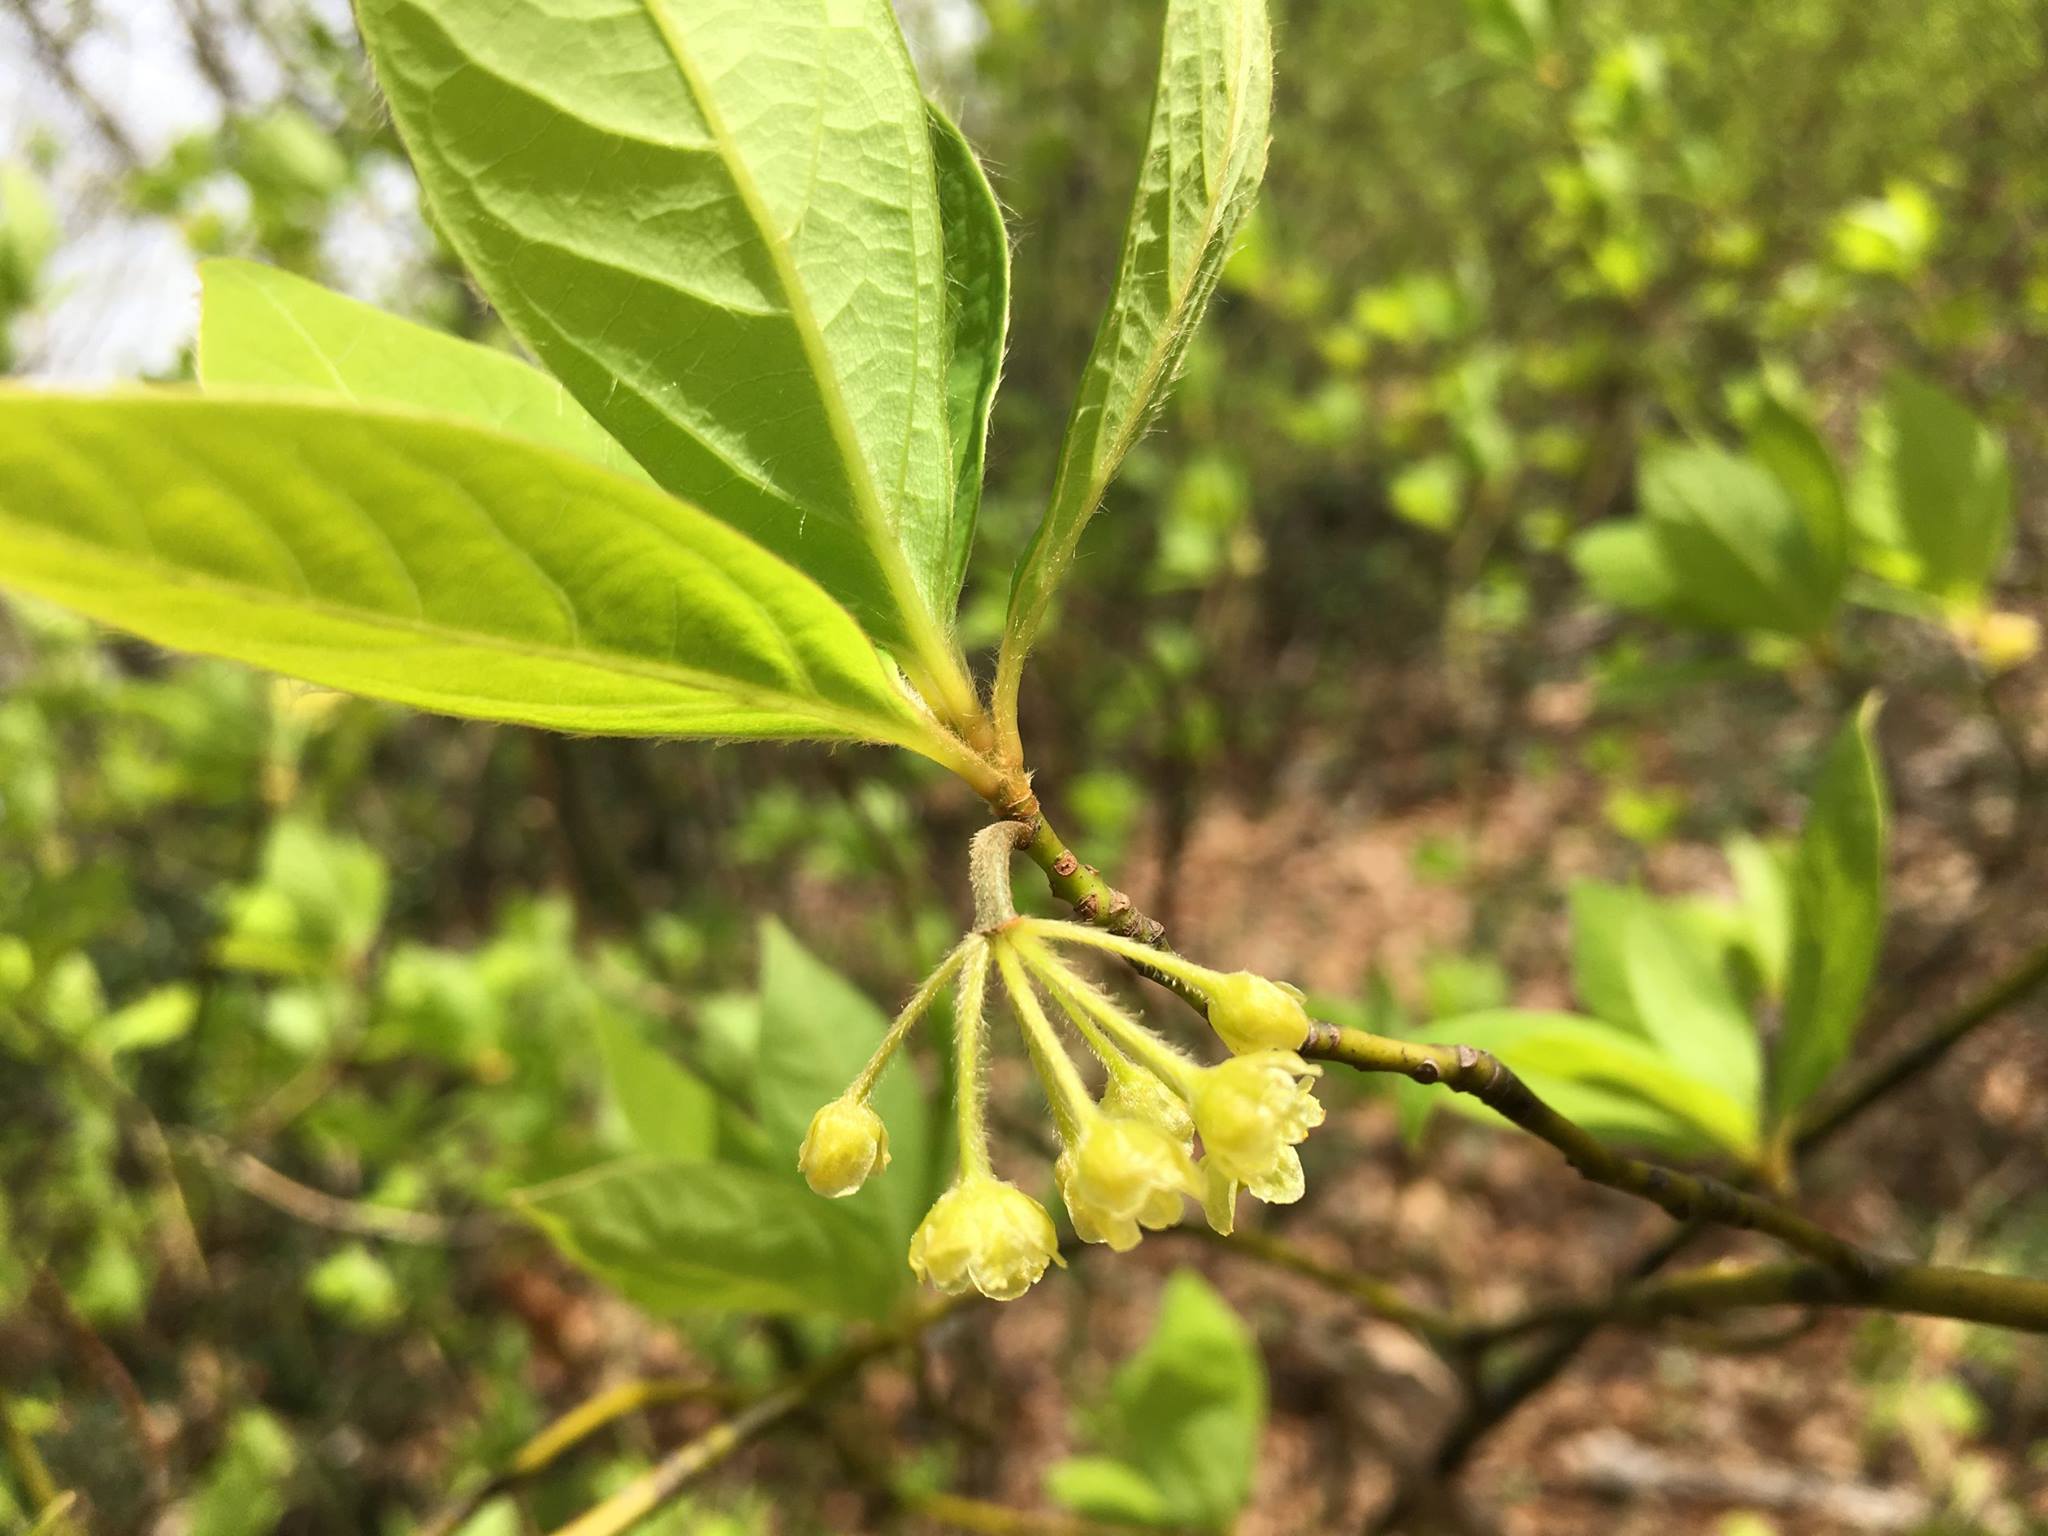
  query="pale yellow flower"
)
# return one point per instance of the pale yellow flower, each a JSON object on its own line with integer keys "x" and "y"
{"x": 1122, "y": 1175}
{"x": 846, "y": 1144}
{"x": 1252, "y": 1111}
{"x": 987, "y": 1235}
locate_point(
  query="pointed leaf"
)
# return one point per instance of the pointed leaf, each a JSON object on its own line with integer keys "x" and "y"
{"x": 263, "y": 329}
{"x": 1838, "y": 912}
{"x": 424, "y": 561}
{"x": 717, "y": 223}
{"x": 1204, "y": 157}
{"x": 977, "y": 316}
{"x": 670, "y": 1111}
{"x": 1951, "y": 488}
{"x": 678, "y": 1236}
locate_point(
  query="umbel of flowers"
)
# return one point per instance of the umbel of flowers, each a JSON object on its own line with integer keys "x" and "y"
{"x": 1129, "y": 1157}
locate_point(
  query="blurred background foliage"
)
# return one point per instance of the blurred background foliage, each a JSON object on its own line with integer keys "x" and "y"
{"x": 1606, "y": 398}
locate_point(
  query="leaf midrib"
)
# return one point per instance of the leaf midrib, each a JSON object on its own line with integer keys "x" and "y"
{"x": 1163, "y": 342}
{"x": 752, "y": 696}
{"x": 874, "y": 521}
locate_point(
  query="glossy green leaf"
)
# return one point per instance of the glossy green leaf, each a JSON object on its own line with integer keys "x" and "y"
{"x": 1838, "y": 912}
{"x": 682, "y": 1236}
{"x": 263, "y": 329}
{"x": 817, "y": 1031}
{"x": 977, "y": 317}
{"x": 1545, "y": 1046}
{"x": 1205, "y": 154}
{"x": 424, "y": 561}
{"x": 1950, "y": 489}
{"x": 718, "y": 224}
{"x": 1678, "y": 980}
{"x": 670, "y": 1111}
{"x": 1184, "y": 1416}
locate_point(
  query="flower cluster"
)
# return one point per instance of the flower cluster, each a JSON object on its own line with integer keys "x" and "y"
{"x": 1165, "y": 1129}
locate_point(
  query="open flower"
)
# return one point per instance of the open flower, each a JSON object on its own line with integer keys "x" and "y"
{"x": 1252, "y": 1111}
{"x": 986, "y": 1234}
{"x": 1254, "y": 1014}
{"x": 1123, "y": 1174}
{"x": 846, "y": 1144}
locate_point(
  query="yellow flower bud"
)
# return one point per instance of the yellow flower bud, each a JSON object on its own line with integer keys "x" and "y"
{"x": 845, "y": 1144}
{"x": 987, "y": 1234}
{"x": 1122, "y": 1175}
{"x": 2003, "y": 641}
{"x": 1254, "y": 1014}
{"x": 1252, "y": 1111}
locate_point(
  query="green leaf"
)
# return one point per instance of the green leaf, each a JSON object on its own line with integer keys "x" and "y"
{"x": 670, "y": 1111}
{"x": 718, "y": 224}
{"x": 428, "y": 562}
{"x": 1205, "y": 154}
{"x": 1599, "y": 925}
{"x": 1951, "y": 489}
{"x": 315, "y": 907}
{"x": 1763, "y": 880}
{"x": 1103, "y": 1488}
{"x": 1626, "y": 564}
{"x": 680, "y": 1236}
{"x": 1184, "y": 1414}
{"x": 263, "y": 329}
{"x": 977, "y": 316}
{"x": 1549, "y": 1047}
{"x": 1688, "y": 1006}
{"x": 817, "y": 1031}
{"x": 1838, "y": 912}
{"x": 1735, "y": 544}
{"x": 156, "y": 1018}
{"x": 1786, "y": 444}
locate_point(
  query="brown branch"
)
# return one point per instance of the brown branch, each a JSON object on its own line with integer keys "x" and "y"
{"x": 1925, "y": 1290}
{"x": 318, "y": 1208}
{"x": 1685, "y": 1196}
{"x": 1374, "y": 1296}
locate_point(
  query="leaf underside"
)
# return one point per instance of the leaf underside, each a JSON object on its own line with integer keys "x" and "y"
{"x": 424, "y": 561}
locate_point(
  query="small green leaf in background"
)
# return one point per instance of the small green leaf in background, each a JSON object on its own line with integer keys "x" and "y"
{"x": 242, "y": 1492}
{"x": 817, "y": 1031}
{"x": 1611, "y": 1079}
{"x": 426, "y": 561}
{"x": 156, "y": 1018}
{"x": 977, "y": 314}
{"x": 315, "y": 907}
{"x": 1599, "y": 928}
{"x": 260, "y": 328}
{"x": 1183, "y": 1419}
{"x": 684, "y": 1236}
{"x": 357, "y": 1288}
{"x": 1950, "y": 490}
{"x": 1721, "y": 544}
{"x": 1838, "y": 912}
{"x": 718, "y": 224}
{"x": 669, "y": 1110}
{"x": 1205, "y": 155}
